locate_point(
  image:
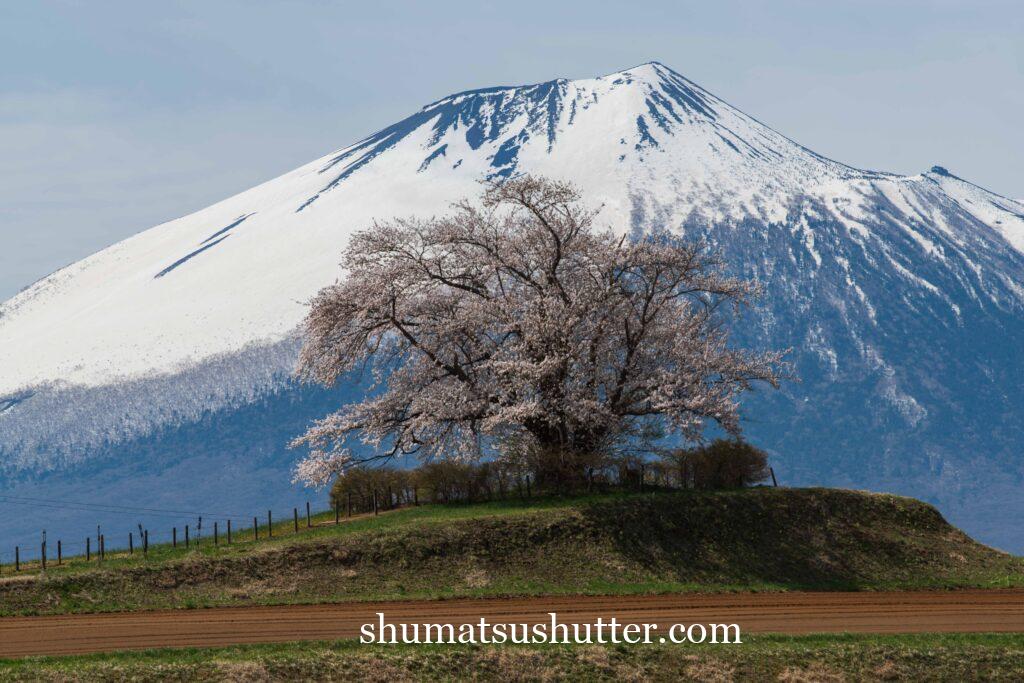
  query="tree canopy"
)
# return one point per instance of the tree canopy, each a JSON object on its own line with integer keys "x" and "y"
{"x": 516, "y": 320}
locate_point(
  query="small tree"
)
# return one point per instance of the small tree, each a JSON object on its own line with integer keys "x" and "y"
{"x": 515, "y": 320}
{"x": 362, "y": 484}
{"x": 722, "y": 464}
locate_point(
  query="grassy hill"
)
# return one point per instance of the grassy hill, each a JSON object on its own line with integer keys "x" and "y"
{"x": 755, "y": 539}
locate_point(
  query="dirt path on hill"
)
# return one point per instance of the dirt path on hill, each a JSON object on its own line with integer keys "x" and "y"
{"x": 792, "y": 613}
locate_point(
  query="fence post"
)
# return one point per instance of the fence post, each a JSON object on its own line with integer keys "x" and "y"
{"x": 270, "y": 525}
{"x": 103, "y": 547}
{"x": 43, "y": 555}
{"x": 60, "y": 557}
{"x": 255, "y": 530}
{"x": 229, "y": 532}
{"x": 295, "y": 512}
{"x": 131, "y": 544}
{"x": 174, "y": 537}
{"x": 88, "y": 554}
{"x": 309, "y": 521}
{"x": 774, "y": 481}
{"x": 17, "y": 559}
{"x": 215, "y": 533}
{"x": 145, "y": 542}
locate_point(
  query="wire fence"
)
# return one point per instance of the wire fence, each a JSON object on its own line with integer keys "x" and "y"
{"x": 184, "y": 529}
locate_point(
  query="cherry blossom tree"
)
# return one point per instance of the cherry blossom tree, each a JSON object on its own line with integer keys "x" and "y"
{"x": 516, "y": 320}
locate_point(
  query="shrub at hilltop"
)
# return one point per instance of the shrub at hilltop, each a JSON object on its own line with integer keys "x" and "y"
{"x": 514, "y": 324}
{"x": 723, "y": 464}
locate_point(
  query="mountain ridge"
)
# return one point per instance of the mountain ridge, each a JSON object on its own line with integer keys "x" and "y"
{"x": 811, "y": 170}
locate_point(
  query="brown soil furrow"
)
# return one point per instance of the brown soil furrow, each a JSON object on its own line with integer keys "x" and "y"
{"x": 792, "y": 613}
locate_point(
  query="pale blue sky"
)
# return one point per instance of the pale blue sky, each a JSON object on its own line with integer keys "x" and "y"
{"x": 115, "y": 116}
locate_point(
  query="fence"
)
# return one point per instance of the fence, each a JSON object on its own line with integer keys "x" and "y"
{"x": 202, "y": 529}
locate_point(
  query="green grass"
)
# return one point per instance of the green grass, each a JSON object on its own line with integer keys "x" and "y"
{"x": 950, "y": 657}
{"x": 755, "y": 539}
{"x": 283, "y": 533}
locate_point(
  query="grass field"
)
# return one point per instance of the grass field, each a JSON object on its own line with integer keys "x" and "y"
{"x": 755, "y": 539}
{"x": 759, "y": 658}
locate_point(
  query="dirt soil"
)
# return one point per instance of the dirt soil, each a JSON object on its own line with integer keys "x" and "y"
{"x": 789, "y": 613}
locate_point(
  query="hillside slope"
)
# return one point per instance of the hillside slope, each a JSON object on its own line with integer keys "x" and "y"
{"x": 758, "y": 539}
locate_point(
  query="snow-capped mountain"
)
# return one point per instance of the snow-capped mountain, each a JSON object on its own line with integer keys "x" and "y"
{"x": 167, "y": 356}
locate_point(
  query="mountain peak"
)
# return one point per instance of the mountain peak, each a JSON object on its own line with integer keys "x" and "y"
{"x": 626, "y": 118}
{"x": 652, "y": 75}
{"x": 652, "y": 68}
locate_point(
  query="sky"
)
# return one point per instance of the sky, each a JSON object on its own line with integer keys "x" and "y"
{"x": 117, "y": 116}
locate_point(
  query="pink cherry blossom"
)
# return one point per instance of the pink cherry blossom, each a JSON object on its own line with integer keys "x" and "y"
{"x": 515, "y": 318}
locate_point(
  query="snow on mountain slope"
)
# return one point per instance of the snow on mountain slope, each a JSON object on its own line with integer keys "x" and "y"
{"x": 238, "y": 271}
{"x": 196, "y": 317}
